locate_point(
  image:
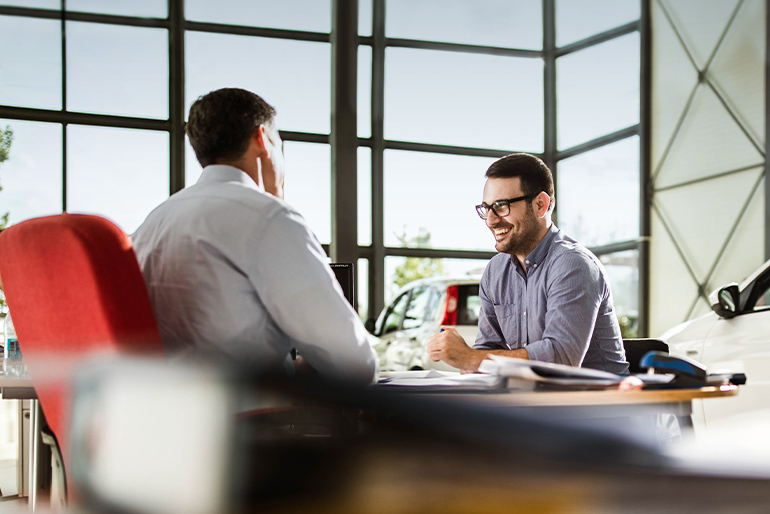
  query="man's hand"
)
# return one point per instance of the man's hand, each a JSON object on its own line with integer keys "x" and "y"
{"x": 449, "y": 346}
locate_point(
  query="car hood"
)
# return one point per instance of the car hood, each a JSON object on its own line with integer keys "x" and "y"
{"x": 694, "y": 330}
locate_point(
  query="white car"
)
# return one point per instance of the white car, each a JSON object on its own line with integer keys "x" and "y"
{"x": 734, "y": 338}
{"x": 417, "y": 312}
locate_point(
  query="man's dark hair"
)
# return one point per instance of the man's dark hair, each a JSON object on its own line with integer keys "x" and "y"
{"x": 534, "y": 174}
{"x": 220, "y": 124}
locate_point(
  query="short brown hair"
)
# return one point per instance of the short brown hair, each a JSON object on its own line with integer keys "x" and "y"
{"x": 220, "y": 124}
{"x": 534, "y": 174}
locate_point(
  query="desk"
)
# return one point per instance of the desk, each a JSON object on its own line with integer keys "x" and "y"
{"x": 678, "y": 401}
{"x": 663, "y": 413}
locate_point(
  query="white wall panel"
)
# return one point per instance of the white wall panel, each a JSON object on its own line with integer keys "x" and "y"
{"x": 708, "y": 221}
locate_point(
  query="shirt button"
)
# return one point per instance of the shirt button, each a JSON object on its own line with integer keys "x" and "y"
{"x": 526, "y": 261}
{"x": 534, "y": 265}
{"x": 525, "y": 313}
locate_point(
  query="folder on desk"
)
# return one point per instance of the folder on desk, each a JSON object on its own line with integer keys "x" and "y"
{"x": 527, "y": 374}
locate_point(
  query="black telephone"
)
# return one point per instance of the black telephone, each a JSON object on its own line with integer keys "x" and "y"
{"x": 687, "y": 372}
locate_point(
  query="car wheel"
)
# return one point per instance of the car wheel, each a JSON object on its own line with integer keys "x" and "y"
{"x": 668, "y": 429}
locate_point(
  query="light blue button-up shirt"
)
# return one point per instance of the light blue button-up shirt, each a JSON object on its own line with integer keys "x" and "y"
{"x": 235, "y": 272}
{"x": 561, "y": 310}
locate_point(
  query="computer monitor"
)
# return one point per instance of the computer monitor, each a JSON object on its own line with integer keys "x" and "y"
{"x": 346, "y": 277}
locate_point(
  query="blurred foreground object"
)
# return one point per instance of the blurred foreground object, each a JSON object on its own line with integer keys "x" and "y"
{"x": 152, "y": 438}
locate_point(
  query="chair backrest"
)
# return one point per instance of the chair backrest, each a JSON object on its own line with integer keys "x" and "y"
{"x": 636, "y": 348}
{"x": 74, "y": 288}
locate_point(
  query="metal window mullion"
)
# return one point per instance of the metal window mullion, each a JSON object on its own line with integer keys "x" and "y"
{"x": 419, "y": 44}
{"x": 176, "y": 95}
{"x": 603, "y": 37}
{"x": 645, "y": 168}
{"x": 377, "y": 262}
{"x": 549, "y": 92}
{"x": 767, "y": 131}
{"x": 444, "y": 149}
{"x": 344, "y": 128}
{"x": 64, "y": 103}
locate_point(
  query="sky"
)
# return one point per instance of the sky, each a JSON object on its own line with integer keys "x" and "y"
{"x": 430, "y": 96}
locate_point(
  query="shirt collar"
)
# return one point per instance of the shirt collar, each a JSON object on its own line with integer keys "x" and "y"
{"x": 538, "y": 255}
{"x": 225, "y": 173}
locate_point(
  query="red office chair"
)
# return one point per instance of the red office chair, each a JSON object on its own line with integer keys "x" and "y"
{"x": 74, "y": 288}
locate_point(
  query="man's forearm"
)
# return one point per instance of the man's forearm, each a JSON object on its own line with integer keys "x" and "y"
{"x": 474, "y": 360}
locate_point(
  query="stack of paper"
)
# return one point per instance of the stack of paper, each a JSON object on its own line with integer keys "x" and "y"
{"x": 523, "y": 373}
{"x": 440, "y": 381}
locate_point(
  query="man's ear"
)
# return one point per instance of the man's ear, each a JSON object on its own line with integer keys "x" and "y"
{"x": 542, "y": 203}
{"x": 260, "y": 137}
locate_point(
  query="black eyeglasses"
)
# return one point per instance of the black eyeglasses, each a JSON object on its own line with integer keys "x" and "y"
{"x": 501, "y": 207}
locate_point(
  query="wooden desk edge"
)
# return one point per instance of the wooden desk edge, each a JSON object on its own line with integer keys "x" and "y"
{"x": 515, "y": 398}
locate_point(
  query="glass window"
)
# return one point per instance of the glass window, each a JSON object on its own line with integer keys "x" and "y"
{"x": 144, "y": 8}
{"x": 579, "y": 19}
{"x": 36, "y": 4}
{"x": 461, "y": 99}
{"x": 362, "y": 289}
{"x": 308, "y": 15}
{"x": 121, "y": 174}
{"x": 365, "y": 16}
{"x": 392, "y": 321}
{"x": 593, "y": 184}
{"x": 117, "y": 70}
{"x": 418, "y": 307}
{"x": 503, "y": 23}
{"x": 30, "y": 68}
{"x": 430, "y": 198}
{"x": 598, "y": 90}
{"x": 364, "y": 91}
{"x": 623, "y": 273}
{"x": 32, "y": 175}
{"x": 308, "y": 185}
{"x": 364, "y": 196}
{"x": 292, "y": 76}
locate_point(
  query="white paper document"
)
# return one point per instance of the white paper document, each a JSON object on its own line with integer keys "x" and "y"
{"x": 433, "y": 380}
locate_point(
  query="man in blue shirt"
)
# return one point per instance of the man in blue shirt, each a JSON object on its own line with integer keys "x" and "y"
{"x": 544, "y": 296}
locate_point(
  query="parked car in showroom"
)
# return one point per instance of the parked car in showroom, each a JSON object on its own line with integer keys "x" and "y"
{"x": 734, "y": 338}
{"x": 418, "y": 311}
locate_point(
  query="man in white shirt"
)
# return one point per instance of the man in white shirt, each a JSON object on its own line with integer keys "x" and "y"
{"x": 232, "y": 270}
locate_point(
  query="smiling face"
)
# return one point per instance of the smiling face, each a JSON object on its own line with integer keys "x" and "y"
{"x": 519, "y": 232}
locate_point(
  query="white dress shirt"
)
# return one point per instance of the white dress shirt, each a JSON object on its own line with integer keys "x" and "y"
{"x": 234, "y": 271}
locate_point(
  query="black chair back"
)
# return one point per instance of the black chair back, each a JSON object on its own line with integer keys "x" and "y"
{"x": 636, "y": 348}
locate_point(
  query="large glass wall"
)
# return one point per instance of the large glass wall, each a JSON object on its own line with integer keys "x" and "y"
{"x": 96, "y": 96}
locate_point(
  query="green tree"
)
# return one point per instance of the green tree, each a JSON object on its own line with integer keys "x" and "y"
{"x": 416, "y": 267}
{"x": 6, "y": 137}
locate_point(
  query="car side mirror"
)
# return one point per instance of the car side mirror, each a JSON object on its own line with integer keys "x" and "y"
{"x": 369, "y": 324}
{"x": 726, "y": 301}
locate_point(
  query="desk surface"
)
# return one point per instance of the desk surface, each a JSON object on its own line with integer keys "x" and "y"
{"x": 15, "y": 388}
{"x": 515, "y": 398}
{"x": 8, "y": 381}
